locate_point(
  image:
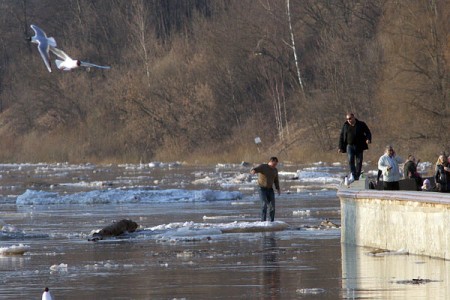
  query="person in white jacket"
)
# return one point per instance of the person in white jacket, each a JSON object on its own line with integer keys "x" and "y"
{"x": 388, "y": 164}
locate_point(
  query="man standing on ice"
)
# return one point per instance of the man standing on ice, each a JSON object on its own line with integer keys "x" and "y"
{"x": 354, "y": 139}
{"x": 267, "y": 177}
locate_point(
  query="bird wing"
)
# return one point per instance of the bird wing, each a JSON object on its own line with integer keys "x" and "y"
{"x": 61, "y": 54}
{"x": 38, "y": 31}
{"x": 89, "y": 65}
{"x": 52, "y": 42}
{"x": 43, "y": 50}
{"x": 42, "y": 41}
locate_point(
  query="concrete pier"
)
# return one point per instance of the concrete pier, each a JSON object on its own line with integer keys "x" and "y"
{"x": 418, "y": 222}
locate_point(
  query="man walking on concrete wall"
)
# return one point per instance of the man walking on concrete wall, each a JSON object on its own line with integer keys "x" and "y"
{"x": 354, "y": 139}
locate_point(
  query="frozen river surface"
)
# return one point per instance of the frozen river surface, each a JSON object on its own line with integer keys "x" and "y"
{"x": 199, "y": 237}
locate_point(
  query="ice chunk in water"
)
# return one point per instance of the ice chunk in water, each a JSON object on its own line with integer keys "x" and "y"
{"x": 310, "y": 291}
{"x": 306, "y": 212}
{"x": 62, "y": 267}
{"x": 14, "y": 250}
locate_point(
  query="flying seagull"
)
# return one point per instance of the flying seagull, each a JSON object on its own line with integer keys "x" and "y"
{"x": 67, "y": 63}
{"x": 44, "y": 44}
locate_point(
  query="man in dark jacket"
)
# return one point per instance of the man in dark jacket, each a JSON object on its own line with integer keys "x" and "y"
{"x": 354, "y": 139}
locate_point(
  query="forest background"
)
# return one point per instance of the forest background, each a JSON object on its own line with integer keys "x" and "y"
{"x": 199, "y": 80}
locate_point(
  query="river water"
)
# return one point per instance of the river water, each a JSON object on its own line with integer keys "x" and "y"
{"x": 199, "y": 237}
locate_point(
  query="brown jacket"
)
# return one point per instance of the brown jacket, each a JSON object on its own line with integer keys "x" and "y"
{"x": 267, "y": 176}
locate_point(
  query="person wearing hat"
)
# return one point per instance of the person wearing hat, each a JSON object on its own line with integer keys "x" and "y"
{"x": 389, "y": 166}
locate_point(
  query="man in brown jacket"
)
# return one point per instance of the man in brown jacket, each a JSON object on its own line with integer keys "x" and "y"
{"x": 267, "y": 177}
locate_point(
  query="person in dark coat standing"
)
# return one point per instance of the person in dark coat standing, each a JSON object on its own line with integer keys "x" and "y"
{"x": 354, "y": 139}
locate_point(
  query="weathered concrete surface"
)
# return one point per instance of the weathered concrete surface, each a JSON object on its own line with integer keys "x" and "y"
{"x": 418, "y": 222}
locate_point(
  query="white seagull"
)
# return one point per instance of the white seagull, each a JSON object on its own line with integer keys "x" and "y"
{"x": 46, "y": 295}
{"x": 44, "y": 43}
{"x": 67, "y": 63}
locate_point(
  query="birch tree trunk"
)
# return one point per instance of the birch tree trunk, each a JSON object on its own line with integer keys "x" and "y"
{"x": 292, "y": 45}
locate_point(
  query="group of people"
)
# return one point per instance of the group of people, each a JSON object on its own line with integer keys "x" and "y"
{"x": 354, "y": 138}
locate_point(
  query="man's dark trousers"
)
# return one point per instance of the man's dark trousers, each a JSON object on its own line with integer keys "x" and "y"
{"x": 355, "y": 159}
{"x": 267, "y": 200}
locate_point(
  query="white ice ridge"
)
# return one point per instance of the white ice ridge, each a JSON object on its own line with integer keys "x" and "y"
{"x": 154, "y": 164}
{"x": 192, "y": 227}
{"x": 190, "y": 231}
{"x": 310, "y": 291}
{"x": 62, "y": 268}
{"x": 312, "y": 175}
{"x": 34, "y": 197}
{"x": 14, "y": 250}
{"x": 225, "y": 217}
{"x": 224, "y": 180}
{"x": 306, "y": 212}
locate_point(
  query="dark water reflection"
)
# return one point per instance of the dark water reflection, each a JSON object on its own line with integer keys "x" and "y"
{"x": 271, "y": 269}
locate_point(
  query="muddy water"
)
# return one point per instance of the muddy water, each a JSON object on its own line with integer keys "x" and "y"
{"x": 297, "y": 263}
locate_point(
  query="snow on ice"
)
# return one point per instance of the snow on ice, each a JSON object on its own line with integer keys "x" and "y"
{"x": 191, "y": 231}
{"x": 14, "y": 250}
{"x": 34, "y": 197}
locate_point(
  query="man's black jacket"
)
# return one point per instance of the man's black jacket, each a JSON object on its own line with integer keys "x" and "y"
{"x": 362, "y": 135}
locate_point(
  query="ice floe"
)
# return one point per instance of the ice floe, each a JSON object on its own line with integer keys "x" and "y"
{"x": 116, "y": 196}
{"x": 107, "y": 265}
{"x": 224, "y": 180}
{"x": 318, "y": 177}
{"x": 225, "y": 217}
{"x": 14, "y": 250}
{"x": 239, "y": 226}
{"x": 8, "y": 227}
{"x": 11, "y": 232}
{"x": 306, "y": 212}
{"x": 310, "y": 291}
{"x": 191, "y": 231}
{"x": 61, "y": 268}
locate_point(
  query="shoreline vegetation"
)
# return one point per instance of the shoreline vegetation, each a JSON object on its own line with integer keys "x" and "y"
{"x": 198, "y": 81}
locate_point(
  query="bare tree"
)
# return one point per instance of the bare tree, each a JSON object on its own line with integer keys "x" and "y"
{"x": 294, "y": 49}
